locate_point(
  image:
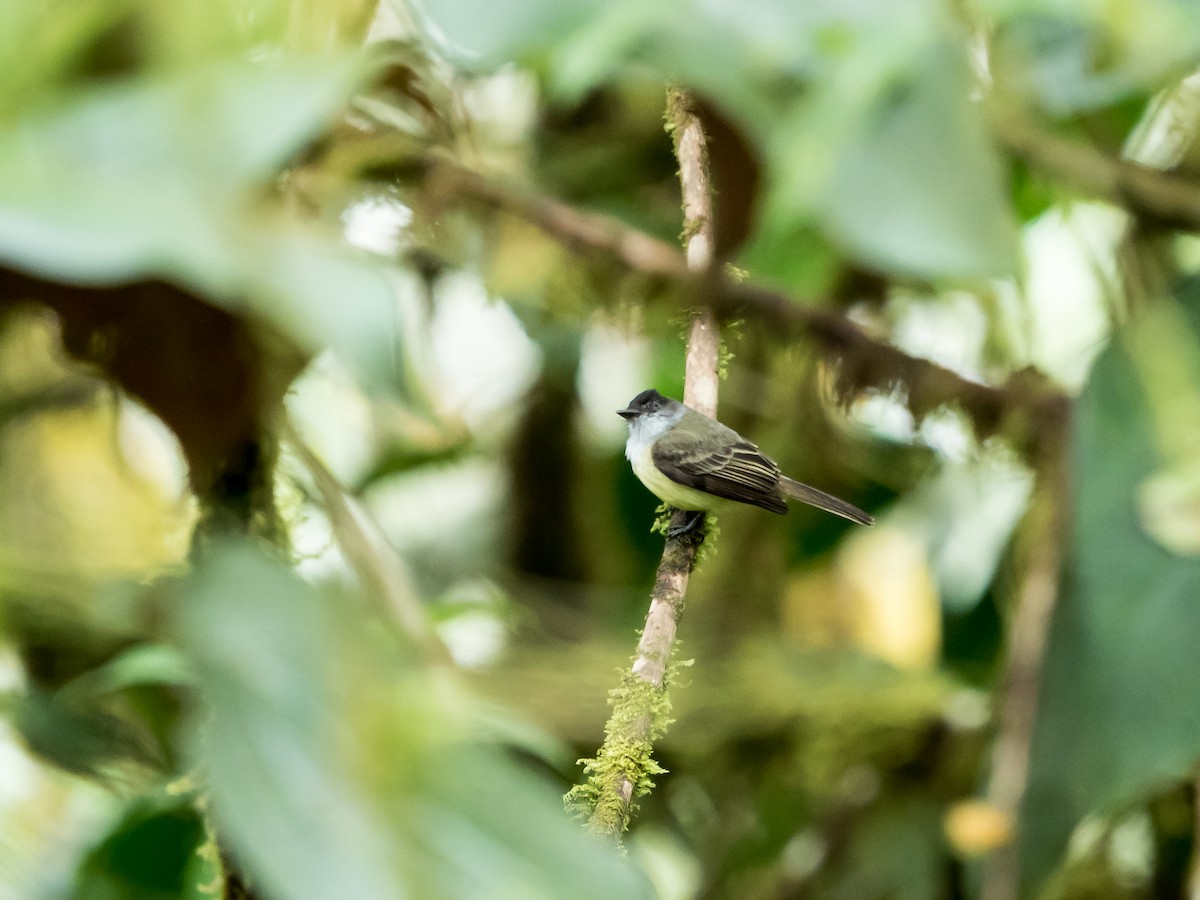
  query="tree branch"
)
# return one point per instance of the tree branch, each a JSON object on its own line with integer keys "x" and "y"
{"x": 1146, "y": 192}
{"x": 623, "y": 766}
{"x": 866, "y": 362}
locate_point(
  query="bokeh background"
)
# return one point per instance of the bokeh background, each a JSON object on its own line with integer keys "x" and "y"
{"x": 318, "y": 551}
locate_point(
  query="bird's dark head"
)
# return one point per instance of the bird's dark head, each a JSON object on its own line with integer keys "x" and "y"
{"x": 645, "y": 403}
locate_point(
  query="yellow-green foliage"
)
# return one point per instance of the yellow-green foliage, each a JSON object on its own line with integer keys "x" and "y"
{"x": 730, "y": 333}
{"x": 662, "y": 519}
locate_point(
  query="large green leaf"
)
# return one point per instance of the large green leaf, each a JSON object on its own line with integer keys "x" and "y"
{"x": 919, "y": 187}
{"x": 157, "y": 179}
{"x": 337, "y": 771}
{"x": 1118, "y": 712}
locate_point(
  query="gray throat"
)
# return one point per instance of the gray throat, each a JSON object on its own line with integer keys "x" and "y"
{"x": 645, "y": 430}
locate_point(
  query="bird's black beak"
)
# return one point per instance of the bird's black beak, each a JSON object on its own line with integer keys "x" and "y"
{"x": 628, "y": 413}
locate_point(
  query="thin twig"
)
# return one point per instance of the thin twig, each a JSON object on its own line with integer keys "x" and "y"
{"x": 1036, "y": 600}
{"x": 636, "y": 728}
{"x": 376, "y": 563}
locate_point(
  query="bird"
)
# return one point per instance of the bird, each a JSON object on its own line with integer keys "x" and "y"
{"x": 693, "y": 463}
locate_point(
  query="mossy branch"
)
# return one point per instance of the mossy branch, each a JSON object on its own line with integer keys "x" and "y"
{"x": 623, "y": 769}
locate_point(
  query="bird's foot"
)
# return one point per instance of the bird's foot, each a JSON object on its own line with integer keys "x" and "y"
{"x": 692, "y": 521}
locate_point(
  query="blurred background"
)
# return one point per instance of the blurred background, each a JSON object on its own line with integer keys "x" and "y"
{"x": 319, "y": 553}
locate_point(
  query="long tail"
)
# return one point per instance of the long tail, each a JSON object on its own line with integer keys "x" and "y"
{"x": 822, "y": 500}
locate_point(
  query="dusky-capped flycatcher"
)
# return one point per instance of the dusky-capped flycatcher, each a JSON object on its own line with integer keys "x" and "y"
{"x": 693, "y": 462}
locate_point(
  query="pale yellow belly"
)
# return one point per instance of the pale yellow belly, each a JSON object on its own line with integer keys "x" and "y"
{"x": 678, "y": 495}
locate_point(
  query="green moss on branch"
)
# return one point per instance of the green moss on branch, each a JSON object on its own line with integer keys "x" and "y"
{"x": 624, "y": 768}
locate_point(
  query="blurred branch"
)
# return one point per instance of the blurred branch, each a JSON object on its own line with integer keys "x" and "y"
{"x": 370, "y": 556}
{"x": 866, "y": 362}
{"x": 578, "y": 230}
{"x": 1037, "y": 596}
{"x": 622, "y": 769}
{"x": 1144, "y": 191}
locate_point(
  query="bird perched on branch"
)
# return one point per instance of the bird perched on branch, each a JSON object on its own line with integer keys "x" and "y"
{"x": 693, "y": 462}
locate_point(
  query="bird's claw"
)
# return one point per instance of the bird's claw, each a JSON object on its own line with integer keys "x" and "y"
{"x": 694, "y": 520}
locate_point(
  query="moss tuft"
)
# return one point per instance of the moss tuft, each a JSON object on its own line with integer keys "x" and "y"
{"x": 641, "y": 715}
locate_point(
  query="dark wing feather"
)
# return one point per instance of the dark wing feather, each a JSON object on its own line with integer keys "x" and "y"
{"x": 737, "y": 471}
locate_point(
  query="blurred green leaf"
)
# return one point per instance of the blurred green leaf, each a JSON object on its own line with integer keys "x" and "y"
{"x": 1169, "y": 505}
{"x": 583, "y": 45}
{"x": 105, "y": 166}
{"x": 1032, "y": 194}
{"x": 49, "y": 45}
{"x": 398, "y": 457}
{"x": 846, "y": 711}
{"x": 335, "y": 770}
{"x": 919, "y": 189}
{"x": 506, "y": 727}
{"x": 1079, "y": 56}
{"x": 794, "y": 254}
{"x": 863, "y": 108}
{"x": 1117, "y": 714}
{"x": 140, "y": 665}
{"x": 150, "y": 854}
{"x": 488, "y": 35}
{"x": 895, "y": 852}
{"x": 280, "y": 791}
{"x": 747, "y": 56}
{"x": 157, "y": 179}
{"x": 81, "y": 735}
{"x": 703, "y": 48}
{"x": 42, "y": 42}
